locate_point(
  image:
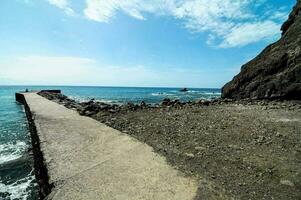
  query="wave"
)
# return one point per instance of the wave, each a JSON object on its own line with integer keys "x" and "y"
{"x": 194, "y": 91}
{"x": 105, "y": 101}
{"x": 162, "y": 94}
{"x": 157, "y": 94}
{"x": 19, "y": 189}
{"x": 212, "y": 93}
{"x": 12, "y": 151}
{"x": 80, "y": 99}
{"x": 85, "y": 99}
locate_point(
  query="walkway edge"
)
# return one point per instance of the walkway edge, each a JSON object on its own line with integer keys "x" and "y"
{"x": 41, "y": 172}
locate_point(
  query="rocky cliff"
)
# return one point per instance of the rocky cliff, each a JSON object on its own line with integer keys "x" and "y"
{"x": 276, "y": 72}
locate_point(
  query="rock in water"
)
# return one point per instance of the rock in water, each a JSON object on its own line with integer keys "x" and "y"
{"x": 184, "y": 90}
{"x": 276, "y": 72}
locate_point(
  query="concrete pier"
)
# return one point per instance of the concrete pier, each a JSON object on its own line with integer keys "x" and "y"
{"x": 86, "y": 159}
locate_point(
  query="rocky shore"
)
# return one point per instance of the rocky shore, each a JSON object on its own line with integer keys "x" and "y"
{"x": 246, "y": 149}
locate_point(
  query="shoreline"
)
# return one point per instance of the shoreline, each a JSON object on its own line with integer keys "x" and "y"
{"x": 118, "y": 159}
{"x": 96, "y": 106}
{"x": 237, "y": 149}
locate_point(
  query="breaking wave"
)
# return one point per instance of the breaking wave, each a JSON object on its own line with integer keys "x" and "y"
{"x": 12, "y": 151}
{"x": 18, "y": 190}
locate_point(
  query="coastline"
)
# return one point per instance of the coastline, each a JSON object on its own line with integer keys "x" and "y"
{"x": 237, "y": 149}
{"x": 118, "y": 159}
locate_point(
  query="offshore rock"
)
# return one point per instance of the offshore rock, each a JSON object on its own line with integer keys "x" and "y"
{"x": 276, "y": 72}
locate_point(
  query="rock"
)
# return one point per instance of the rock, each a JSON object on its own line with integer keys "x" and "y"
{"x": 291, "y": 19}
{"x": 190, "y": 155}
{"x": 276, "y": 72}
{"x": 204, "y": 102}
{"x": 89, "y": 113}
{"x": 132, "y": 106}
{"x": 199, "y": 148}
{"x": 165, "y": 102}
{"x": 287, "y": 183}
{"x": 143, "y": 104}
{"x": 176, "y": 102}
{"x": 183, "y": 90}
{"x": 113, "y": 111}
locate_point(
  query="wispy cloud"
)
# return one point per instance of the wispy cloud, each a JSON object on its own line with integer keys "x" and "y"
{"x": 103, "y": 11}
{"x": 246, "y": 33}
{"x": 59, "y": 3}
{"x": 85, "y": 71}
{"x": 225, "y": 21}
{"x": 63, "y": 4}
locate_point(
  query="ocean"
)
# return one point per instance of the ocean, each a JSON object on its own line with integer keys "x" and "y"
{"x": 17, "y": 179}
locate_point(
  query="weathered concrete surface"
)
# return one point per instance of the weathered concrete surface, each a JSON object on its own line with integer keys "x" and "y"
{"x": 89, "y": 160}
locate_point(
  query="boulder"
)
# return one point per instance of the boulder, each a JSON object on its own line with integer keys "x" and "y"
{"x": 165, "y": 102}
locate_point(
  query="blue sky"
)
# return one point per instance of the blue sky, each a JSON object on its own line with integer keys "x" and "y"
{"x": 173, "y": 43}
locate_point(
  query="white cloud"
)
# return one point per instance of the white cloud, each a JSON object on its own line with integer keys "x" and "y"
{"x": 104, "y": 10}
{"x": 247, "y": 33}
{"x": 45, "y": 70}
{"x": 64, "y": 5}
{"x": 223, "y": 20}
{"x": 279, "y": 15}
{"x": 59, "y": 3}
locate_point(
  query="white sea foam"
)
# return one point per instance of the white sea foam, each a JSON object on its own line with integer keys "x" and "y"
{"x": 193, "y": 91}
{"x": 105, "y": 101}
{"x": 212, "y": 93}
{"x": 79, "y": 99}
{"x": 162, "y": 94}
{"x": 157, "y": 94}
{"x": 18, "y": 190}
{"x": 12, "y": 151}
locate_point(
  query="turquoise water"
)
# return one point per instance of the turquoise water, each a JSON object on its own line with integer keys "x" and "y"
{"x": 126, "y": 94}
{"x": 149, "y": 95}
{"x": 16, "y": 165}
{"x": 17, "y": 179}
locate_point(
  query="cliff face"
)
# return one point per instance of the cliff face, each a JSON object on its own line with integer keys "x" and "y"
{"x": 276, "y": 72}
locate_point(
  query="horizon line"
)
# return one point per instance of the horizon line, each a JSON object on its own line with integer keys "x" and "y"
{"x": 108, "y": 86}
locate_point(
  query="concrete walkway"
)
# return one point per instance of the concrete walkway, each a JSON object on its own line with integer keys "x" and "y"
{"x": 89, "y": 160}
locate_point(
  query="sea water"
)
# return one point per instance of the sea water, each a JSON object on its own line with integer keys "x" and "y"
{"x": 17, "y": 179}
{"x": 136, "y": 94}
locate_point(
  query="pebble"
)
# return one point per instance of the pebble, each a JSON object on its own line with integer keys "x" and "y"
{"x": 200, "y": 148}
{"x": 287, "y": 183}
{"x": 190, "y": 155}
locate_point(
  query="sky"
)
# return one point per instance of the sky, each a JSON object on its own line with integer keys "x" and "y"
{"x": 146, "y": 43}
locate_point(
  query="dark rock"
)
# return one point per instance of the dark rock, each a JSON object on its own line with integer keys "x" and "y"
{"x": 231, "y": 100}
{"x": 143, "y": 104}
{"x": 176, "y": 103}
{"x": 204, "y": 102}
{"x": 112, "y": 111}
{"x": 89, "y": 113}
{"x": 276, "y": 72}
{"x": 184, "y": 90}
{"x": 291, "y": 18}
{"x": 165, "y": 102}
{"x": 132, "y": 106}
